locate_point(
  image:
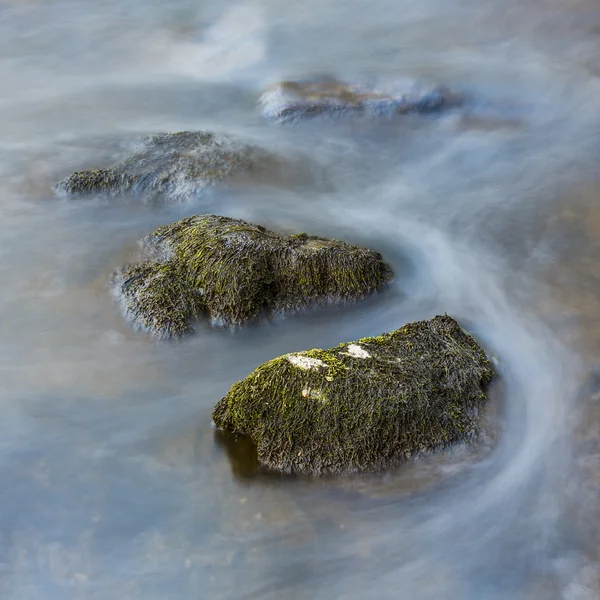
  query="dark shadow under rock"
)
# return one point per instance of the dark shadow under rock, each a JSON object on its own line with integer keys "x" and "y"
{"x": 241, "y": 453}
{"x": 362, "y": 406}
{"x": 293, "y": 100}
{"x": 174, "y": 166}
{"x": 232, "y": 271}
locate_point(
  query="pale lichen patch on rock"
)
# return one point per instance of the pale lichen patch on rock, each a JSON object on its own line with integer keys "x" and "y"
{"x": 314, "y": 394}
{"x": 306, "y": 362}
{"x": 357, "y": 351}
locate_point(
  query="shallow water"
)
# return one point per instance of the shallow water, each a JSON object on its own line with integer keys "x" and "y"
{"x": 113, "y": 481}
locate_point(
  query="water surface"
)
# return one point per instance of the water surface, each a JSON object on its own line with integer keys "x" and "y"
{"x": 114, "y": 482}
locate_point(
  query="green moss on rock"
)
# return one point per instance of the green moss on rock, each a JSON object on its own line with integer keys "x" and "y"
{"x": 232, "y": 271}
{"x": 173, "y": 165}
{"x": 95, "y": 180}
{"x": 365, "y": 405}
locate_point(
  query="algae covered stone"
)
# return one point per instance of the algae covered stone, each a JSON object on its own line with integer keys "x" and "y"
{"x": 365, "y": 405}
{"x": 232, "y": 271}
{"x": 171, "y": 165}
{"x": 292, "y": 100}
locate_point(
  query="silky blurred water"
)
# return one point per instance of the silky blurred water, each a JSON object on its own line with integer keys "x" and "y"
{"x": 113, "y": 482}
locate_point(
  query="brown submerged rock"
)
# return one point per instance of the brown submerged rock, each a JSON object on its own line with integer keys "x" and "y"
{"x": 292, "y": 100}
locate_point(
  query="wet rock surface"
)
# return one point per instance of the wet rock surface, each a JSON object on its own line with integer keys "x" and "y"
{"x": 175, "y": 166}
{"x": 362, "y": 406}
{"x": 232, "y": 271}
{"x": 293, "y": 100}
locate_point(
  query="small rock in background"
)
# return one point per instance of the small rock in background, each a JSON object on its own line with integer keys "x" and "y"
{"x": 293, "y": 100}
{"x": 175, "y": 166}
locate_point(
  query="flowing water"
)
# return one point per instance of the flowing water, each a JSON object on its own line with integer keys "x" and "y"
{"x": 113, "y": 482}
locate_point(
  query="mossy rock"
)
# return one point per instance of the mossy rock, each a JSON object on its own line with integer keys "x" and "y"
{"x": 171, "y": 165}
{"x": 364, "y": 405}
{"x": 232, "y": 271}
{"x": 292, "y": 100}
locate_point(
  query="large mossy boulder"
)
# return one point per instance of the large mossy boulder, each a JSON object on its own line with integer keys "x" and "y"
{"x": 170, "y": 165}
{"x": 292, "y": 100}
{"x": 365, "y": 405}
{"x": 232, "y": 271}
